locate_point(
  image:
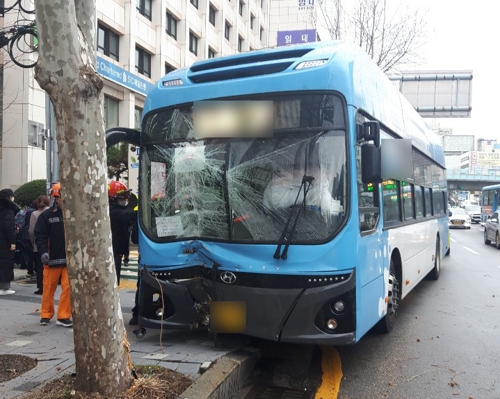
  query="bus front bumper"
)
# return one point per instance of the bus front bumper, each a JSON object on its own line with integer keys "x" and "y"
{"x": 296, "y": 315}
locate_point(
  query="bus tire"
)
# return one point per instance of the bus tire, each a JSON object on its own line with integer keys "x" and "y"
{"x": 434, "y": 273}
{"x": 386, "y": 324}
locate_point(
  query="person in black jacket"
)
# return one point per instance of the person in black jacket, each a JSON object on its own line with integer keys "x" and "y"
{"x": 51, "y": 245}
{"x": 7, "y": 240}
{"x": 122, "y": 219}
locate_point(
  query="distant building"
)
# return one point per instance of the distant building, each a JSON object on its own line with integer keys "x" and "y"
{"x": 457, "y": 144}
{"x": 487, "y": 145}
{"x": 480, "y": 162}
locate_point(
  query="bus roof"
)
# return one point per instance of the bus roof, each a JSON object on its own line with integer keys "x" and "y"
{"x": 492, "y": 187}
{"x": 331, "y": 65}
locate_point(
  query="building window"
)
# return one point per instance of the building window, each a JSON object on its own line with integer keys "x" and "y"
{"x": 142, "y": 62}
{"x": 240, "y": 43}
{"x": 110, "y": 112}
{"x": 144, "y": 8}
{"x": 227, "y": 30}
{"x": 252, "y": 21}
{"x": 193, "y": 43}
{"x": 194, "y": 3}
{"x": 261, "y": 33}
{"x": 137, "y": 118}
{"x": 107, "y": 42}
{"x": 240, "y": 8}
{"x": 211, "y": 15}
{"x": 169, "y": 68}
{"x": 171, "y": 26}
{"x": 261, "y": 3}
{"x": 251, "y": 49}
{"x": 211, "y": 52}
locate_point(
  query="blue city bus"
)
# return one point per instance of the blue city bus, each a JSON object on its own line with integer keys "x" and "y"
{"x": 264, "y": 207}
{"x": 490, "y": 196}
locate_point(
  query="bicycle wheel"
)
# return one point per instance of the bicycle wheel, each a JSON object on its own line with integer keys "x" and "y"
{"x": 23, "y": 49}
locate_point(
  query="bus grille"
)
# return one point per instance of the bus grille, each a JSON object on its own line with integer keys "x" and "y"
{"x": 247, "y": 65}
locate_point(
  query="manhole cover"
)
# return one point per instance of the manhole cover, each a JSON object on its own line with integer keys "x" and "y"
{"x": 273, "y": 392}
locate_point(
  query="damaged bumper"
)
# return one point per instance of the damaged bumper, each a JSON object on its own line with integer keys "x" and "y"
{"x": 279, "y": 308}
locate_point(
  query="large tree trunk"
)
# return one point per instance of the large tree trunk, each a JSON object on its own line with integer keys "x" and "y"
{"x": 66, "y": 71}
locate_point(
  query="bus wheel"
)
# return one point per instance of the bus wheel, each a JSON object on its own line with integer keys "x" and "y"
{"x": 386, "y": 324}
{"x": 434, "y": 273}
{"x": 486, "y": 241}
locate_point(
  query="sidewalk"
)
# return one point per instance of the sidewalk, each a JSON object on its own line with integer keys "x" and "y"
{"x": 228, "y": 364}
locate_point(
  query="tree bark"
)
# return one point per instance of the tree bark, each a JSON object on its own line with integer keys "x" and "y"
{"x": 66, "y": 71}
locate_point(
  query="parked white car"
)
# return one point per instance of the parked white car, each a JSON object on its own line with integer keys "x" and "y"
{"x": 458, "y": 218}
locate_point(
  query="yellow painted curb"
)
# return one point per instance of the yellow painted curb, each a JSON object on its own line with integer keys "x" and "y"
{"x": 332, "y": 374}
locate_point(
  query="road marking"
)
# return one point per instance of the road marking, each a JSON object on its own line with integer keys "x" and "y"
{"x": 19, "y": 343}
{"x": 332, "y": 374}
{"x": 452, "y": 239}
{"x": 470, "y": 250}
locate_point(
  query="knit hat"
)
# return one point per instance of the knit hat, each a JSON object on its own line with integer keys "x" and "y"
{"x": 6, "y": 193}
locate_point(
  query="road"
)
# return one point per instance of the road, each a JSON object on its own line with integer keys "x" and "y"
{"x": 446, "y": 342}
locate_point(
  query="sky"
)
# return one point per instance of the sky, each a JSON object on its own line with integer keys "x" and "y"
{"x": 464, "y": 35}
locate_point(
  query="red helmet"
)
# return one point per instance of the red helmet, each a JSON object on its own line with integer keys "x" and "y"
{"x": 55, "y": 191}
{"x": 116, "y": 188}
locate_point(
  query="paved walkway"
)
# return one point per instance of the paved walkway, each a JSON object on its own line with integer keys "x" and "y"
{"x": 53, "y": 346}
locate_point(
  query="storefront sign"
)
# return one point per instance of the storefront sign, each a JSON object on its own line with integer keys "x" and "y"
{"x": 296, "y": 36}
{"x": 122, "y": 77}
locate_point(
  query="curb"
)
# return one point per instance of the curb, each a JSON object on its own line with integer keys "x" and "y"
{"x": 225, "y": 377}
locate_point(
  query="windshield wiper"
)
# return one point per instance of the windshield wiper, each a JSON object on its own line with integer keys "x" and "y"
{"x": 286, "y": 236}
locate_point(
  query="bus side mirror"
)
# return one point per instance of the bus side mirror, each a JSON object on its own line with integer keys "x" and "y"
{"x": 116, "y": 135}
{"x": 369, "y": 131}
{"x": 371, "y": 165}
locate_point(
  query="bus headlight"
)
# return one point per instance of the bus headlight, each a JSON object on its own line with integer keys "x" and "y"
{"x": 338, "y": 307}
{"x": 331, "y": 324}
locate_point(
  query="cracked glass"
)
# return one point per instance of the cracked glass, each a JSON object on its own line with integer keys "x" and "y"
{"x": 232, "y": 184}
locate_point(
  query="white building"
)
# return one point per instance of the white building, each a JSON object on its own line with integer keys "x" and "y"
{"x": 138, "y": 41}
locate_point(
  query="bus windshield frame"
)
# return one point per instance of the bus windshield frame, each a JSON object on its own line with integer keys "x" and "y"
{"x": 241, "y": 188}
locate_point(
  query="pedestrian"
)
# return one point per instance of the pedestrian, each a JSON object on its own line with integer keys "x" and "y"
{"x": 24, "y": 236}
{"x": 51, "y": 246}
{"x": 133, "y": 206}
{"x": 8, "y": 211}
{"x": 43, "y": 203}
{"x": 121, "y": 219}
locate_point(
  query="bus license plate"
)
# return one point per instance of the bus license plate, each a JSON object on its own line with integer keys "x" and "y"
{"x": 228, "y": 317}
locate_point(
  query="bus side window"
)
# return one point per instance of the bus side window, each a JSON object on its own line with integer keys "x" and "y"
{"x": 419, "y": 201}
{"x": 408, "y": 200}
{"x": 391, "y": 201}
{"x": 428, "y": 201}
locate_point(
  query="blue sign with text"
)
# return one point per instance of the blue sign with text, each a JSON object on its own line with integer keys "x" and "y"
{"x": 123, "y": 77}
{"x": 296, "y": 36}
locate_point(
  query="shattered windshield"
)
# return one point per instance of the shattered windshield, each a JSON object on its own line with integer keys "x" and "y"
{"x": 235, "y": 183}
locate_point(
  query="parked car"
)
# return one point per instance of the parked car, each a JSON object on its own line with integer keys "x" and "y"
{"x": 474, "y": 212}
{"x": 491, "y": 230}
{"x": 458, "y": 218}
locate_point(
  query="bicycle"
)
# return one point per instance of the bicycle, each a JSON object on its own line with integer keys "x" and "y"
{"x": 22, "y": 42}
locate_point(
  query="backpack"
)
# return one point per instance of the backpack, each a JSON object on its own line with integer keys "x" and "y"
{"x": 20, "y": 218}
